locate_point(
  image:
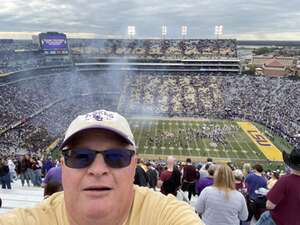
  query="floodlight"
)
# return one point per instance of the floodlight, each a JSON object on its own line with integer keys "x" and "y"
{"x": 131, "y": 31}
{"x": 219, "y": 30}
{"x": 163, "y": 31}
{"x": 183, "y": 31}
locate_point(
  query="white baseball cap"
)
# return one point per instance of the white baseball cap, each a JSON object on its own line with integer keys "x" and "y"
{"x": 100, "y": 119}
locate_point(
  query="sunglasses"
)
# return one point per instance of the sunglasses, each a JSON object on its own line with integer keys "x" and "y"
{"x": 79, "y": 158}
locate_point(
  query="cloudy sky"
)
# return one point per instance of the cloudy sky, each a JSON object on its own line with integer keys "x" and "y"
{"x": 242, "y": 19}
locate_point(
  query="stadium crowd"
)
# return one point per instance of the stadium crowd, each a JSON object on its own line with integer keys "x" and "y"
{"x": 162, "y": 49}
{"x": 38, "y": 109}
{"x": 226, "y": 194}
{"x": 272, "y": 102}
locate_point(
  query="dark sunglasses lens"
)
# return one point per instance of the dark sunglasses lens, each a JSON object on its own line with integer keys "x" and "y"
{"x": 79, "y": 158}
{"x": 117, "y": 158}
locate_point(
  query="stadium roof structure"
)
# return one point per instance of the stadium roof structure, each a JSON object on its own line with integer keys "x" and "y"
{"x": 274, "y": 63}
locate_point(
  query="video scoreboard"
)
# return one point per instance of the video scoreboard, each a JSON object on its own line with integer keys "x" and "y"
{"x": 53, "y": 43}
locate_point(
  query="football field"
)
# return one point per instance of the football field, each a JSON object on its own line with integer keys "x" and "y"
{"x": 198, "y": 138}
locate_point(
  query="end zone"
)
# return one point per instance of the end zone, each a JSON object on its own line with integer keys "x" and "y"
{"x": 270, "y": 151}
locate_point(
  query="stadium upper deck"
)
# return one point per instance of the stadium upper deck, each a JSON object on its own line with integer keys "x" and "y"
{"x": 154, "y": 48}
{"x": 175, "y": 55}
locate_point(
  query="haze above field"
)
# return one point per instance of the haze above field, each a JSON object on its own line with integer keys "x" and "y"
{"x": 244, "y": 20}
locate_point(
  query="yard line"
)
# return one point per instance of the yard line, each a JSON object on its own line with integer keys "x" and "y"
{"x": 141, "y": 128}
{"x": 236, "y": 155}
{"x": 162, "y": 148}
{"x": 156, "y": 123}
{"x": 194, "y": 138}
{"x": 186, "y": 140}
{"x": 205, "y": 147}
{"x": 249, "y": 147}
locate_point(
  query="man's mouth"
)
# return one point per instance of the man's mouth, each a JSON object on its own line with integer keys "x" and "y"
{"x": 94, "y": 188}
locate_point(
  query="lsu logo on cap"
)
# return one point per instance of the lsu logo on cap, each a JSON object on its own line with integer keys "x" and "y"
{"x": 99, "y": 115}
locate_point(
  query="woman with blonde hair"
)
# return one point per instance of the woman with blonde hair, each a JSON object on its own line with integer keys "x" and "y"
{"x": 222, "y": 204}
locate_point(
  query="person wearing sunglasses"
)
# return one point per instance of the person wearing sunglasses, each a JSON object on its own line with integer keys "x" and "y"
{"x": 98, "y": 168}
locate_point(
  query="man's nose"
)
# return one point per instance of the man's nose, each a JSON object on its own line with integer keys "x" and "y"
{"x": 98, "y": 166}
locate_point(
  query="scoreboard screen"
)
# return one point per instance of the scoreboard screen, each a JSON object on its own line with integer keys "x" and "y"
{"x": 53, "y": 43}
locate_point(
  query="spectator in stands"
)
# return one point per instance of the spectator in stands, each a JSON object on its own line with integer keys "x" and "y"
{"x": 97, "y": 174}
{"x": 221, "y": 204}
{"x": 273, "y": 180}
{"x": 4, "y": 174}
{"x": 52, "y": 187}
{"x": 239, "y": 180}
{"x": 247, "y": 169}
{"x": 152, "y": 174}
{"x": 189, "y": 178}
{"x": 169, "y": 180}
{"x": 54, "y": 174}
{"x": 12, "y": 169}
{"x": 206, "y": 181}
{"x": 47, "y": 165}
{"x": 203, "y": 171}
{"x": 36, "y": 172}
{"x": 283, "y": 200}
{"x": 22, "y": 166}
{"x": 29, "y": 170}
{"x": 255, "y": 180}
{"x": 141, "y": 177}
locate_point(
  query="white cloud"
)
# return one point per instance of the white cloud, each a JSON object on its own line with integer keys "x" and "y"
{"x": 243, "y": 18}
{"x": 281, "y": 36}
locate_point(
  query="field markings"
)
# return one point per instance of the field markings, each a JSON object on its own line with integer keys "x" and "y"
{"x": 229, "y": 142}
{"x": 141, "y": 129}
{"x": 252, "y": 152}
{"x": 237, "y": 144}
{"x": 162, "y": 147}
{"x": 203, "y": 141}
{"x": 154, "y": 126}
{"x": 195, "y": 140}
{"x": 270, "y": 151}
{"x": 186, "y": 138}
{"x": 225, "y": 150}
{"x": 180, "y": 148}
{"x": 250, "y": 149}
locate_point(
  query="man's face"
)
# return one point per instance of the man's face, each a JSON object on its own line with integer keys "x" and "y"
{"x": 98, "y": 190}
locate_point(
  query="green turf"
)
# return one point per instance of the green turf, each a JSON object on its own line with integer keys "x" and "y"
{"x": 279, "y": 142}
{"x": 175, "y": 139}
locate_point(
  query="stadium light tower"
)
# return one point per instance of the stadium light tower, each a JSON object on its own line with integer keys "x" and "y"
{"x": 183, "y": 31}
{"x": 218, "y": 31}
{"x": 163, "y": 31}
{"x": 131, "y": 31}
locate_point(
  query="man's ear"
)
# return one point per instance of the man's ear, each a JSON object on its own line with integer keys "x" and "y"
{"x": 62, "y": 161}
{"x": 135, "y": 159}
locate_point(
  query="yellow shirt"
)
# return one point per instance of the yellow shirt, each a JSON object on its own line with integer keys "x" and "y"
{"x": 149, "y": 208}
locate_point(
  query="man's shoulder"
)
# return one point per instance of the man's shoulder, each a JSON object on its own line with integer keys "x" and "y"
{"x": 147, "y": 197}
{"x": 155, "y": 207}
